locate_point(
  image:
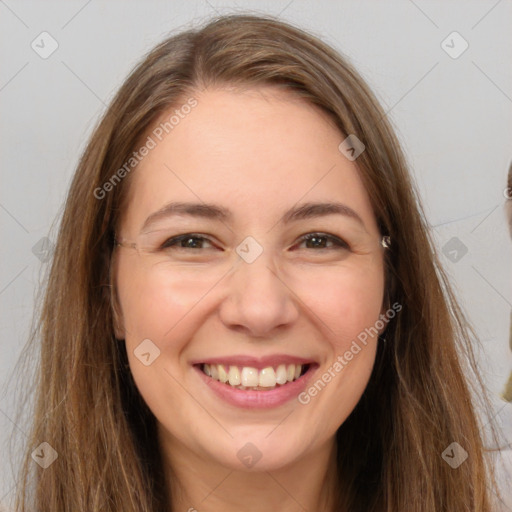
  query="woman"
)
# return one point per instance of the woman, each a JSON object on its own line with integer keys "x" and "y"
{"x": 302, "y": 351}
{"x": 507, "y": 392}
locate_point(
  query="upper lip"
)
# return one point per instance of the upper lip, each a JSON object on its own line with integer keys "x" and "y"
{"x": 255, "y": 362}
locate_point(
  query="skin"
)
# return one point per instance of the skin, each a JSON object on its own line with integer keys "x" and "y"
{"x": 257, "y": 152}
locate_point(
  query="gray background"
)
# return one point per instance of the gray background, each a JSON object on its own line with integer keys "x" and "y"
{"x": 453, "y": 117}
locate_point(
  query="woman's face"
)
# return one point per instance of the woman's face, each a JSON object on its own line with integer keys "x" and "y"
{"x": 250, "y": 298}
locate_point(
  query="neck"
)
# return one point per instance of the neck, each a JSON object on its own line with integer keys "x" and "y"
{"x": 200, "y": 485}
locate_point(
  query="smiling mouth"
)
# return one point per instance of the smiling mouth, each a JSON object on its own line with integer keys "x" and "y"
{"x": 253, "y": 379}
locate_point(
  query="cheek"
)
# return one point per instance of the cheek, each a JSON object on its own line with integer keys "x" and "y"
{"x": 346, "y": 300}
{"x": 154, "y": 300}
{"x": 348, "y": 305}
{"x": 156, "y": 306}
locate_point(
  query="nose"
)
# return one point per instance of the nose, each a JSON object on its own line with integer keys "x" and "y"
{"x": 258, "y": 301}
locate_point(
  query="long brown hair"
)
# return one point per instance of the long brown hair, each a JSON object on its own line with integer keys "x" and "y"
{"x": 420, "y": 398}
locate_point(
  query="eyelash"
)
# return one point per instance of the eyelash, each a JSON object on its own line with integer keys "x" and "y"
{"x": 338, "y": 242}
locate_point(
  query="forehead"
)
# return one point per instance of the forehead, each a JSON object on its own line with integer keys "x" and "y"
{"x": 256, "y": 151}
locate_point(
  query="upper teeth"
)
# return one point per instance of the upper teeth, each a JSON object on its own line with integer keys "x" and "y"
{"x": 250, "y": 377}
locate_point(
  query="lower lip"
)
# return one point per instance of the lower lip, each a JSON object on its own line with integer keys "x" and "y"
{"x": 251, "y": 399}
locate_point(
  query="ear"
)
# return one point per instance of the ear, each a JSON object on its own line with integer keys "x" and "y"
{"x": 117, "y": 318}
{"x": 384, "y": 319}
{"x": 384, "y": 312}
{"x": 117, "y": 314}
{"x": 388, "y": 310}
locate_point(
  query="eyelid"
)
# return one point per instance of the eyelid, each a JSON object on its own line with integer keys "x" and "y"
{"x": 338, "y": 242}
{"x": 178, "y": 238}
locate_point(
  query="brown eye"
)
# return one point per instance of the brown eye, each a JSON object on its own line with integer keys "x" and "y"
{"x": 187, "y": 241}
{"x": 321, "y": 241}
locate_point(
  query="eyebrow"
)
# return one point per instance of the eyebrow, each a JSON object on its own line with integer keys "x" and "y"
{"x": 219, "y": 213}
